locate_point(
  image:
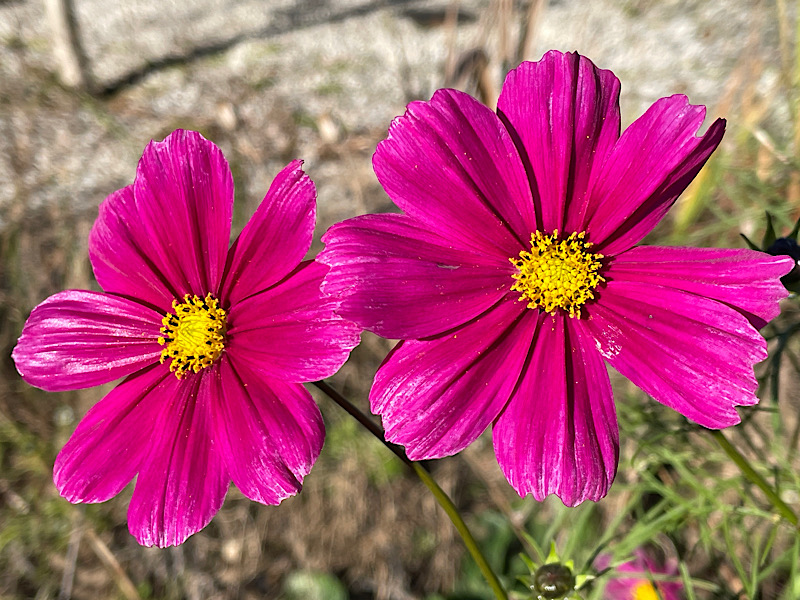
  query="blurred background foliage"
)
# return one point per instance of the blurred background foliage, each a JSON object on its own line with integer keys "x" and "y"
{"x": 364, "y": 527}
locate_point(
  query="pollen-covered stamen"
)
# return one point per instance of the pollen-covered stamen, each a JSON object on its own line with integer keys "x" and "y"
{"x": 194, "y": 334}
{"x": 557, "y": 274}
{"x": 645, "y": 591}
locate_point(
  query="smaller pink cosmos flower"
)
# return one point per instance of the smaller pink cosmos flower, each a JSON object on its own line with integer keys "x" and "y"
{"x": 514, "y": 275}
{"x": 640, "y": 584}
{"x": 213, "y": 344}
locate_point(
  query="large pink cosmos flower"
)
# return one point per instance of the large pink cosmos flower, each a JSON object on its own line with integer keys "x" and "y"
{"x": 544, "y": 202}
{"x": 213, "y": 344}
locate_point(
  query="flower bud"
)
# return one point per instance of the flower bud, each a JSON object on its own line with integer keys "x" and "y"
{"x": 553, "y": 581}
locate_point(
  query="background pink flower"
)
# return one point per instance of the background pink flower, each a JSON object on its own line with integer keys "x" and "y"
{"x": 545, "y": 202}
{"x": 641, "y": 585}
{"x": 213, "y": 344}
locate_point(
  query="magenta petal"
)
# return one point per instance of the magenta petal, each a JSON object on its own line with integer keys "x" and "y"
{"x": 77, "y": 339}
{"x": 182, "y": 482}
{"x": 565, "y": 112}
{"x": 746, "y": 280}
{"x": 184, "y": 200}
{"x": 651, "y": 164}
{"x": 385, "y": 267}
{"x": 290, "y": 332}
{"x": 435, "y": 397}
{"x": 268, "y": 431}
{"x": 111, "y": 441}
{"x": 558, "y": 434}
{"x": 123, "y": 256}
{"x": 690, "y": 353}
{"x": 451, "y": 164}
{"x": 275, "y": 239}
{"x": 642, "y": 568}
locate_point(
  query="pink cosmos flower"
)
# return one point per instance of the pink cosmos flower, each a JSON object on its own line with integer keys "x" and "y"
{"x": 639, "y": 584}
{"x": 513, "y": 273}
{"x": 212, "y": 342}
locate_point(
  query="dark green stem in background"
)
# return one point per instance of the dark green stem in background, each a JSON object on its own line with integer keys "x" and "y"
{"x": 441, "y": 497}
{"x": 364, "y": 420}
{"x": 447, "y": 504}
{"x": 751, "y": 474}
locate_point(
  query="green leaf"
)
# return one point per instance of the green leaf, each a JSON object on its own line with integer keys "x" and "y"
{"x": 553, "y": 556}
{"x": 528, "y": 562}
{"x": 795, "y": 230}
{"x": 769, "y": 235}
{"x": 750, "y": 244}
{"x": 312, "y": 585}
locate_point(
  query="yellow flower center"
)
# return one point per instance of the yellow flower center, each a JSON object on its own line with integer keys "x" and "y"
{"x": 645, "y": 591}
{"x": 557, "y": 274}
{"x": 194, "y": 334}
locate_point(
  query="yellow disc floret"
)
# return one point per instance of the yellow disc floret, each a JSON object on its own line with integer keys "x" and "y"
{"x": 645, "y": 591}
{"x": 557, "y": 274}
{"x": 194, "y": 334}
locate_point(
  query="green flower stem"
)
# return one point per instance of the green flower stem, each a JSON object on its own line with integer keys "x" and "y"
{"x": 438, "y": 493}
{"x": 751, "y": 474}
{"x": 364, "y": 420}
{"x": 444, "y": 501}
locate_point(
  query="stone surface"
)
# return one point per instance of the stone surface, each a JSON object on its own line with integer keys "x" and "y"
{"x": 319, "y": 80}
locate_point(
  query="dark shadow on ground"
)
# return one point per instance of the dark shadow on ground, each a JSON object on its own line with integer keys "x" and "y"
{"x": 306, "y": 13}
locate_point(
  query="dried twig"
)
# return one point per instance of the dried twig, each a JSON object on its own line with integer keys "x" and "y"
{"x": 70, "y": 560}
{"x": 71, "y": 60}
{"x": 111, "y": 563}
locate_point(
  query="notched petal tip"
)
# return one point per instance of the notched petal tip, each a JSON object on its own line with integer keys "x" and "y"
{"x": 563, "y": 114}
{"x": 558, "y": 434}
{"x": 104, "y": 452}
{"x": 450, "y": 164}
{"x": 180, "y": 136}
{"x": 183, "y": 193}
{"x": 275, "y": 239}
{"x": 651, "y": 164}
{"x": 182, "y": 481}
{"x": 77, "y": 339}
{"x": 269, "y": 433}
{"x": 691, "y": 353}
{"x": 435, "y": 397}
